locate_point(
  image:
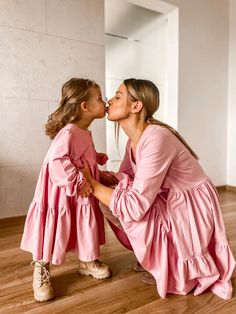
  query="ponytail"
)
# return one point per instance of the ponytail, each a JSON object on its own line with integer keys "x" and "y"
{"x": 182, "y": 140}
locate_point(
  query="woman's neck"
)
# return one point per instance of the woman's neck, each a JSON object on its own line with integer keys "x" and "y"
{"x": 133, "y": 129}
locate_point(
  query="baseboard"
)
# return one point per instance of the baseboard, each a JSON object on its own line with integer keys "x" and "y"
{"x": 221, "y": 188}
{"x": 13, "y": 219}
{"x": 231, "y": 188}
{"x": 226, "y": 188}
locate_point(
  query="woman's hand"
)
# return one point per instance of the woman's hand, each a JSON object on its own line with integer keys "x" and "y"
{"x": 86, "y": 190}
{"x": 101, "y": 158}
{"x": 100, "y": 191}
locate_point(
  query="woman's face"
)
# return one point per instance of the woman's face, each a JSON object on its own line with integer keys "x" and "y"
{"x": 96, "y": 104}
{"x": 119, "y": 105}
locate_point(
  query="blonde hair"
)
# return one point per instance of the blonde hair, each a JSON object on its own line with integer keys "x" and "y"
{"x": 73, "y": 93}
{"x": 147, "y": 92}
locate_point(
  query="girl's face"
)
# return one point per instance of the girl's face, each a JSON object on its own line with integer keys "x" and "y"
{"x": 119, "y": 105}
{"x": 97, "y": 106}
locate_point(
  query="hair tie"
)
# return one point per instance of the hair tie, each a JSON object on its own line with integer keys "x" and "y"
{"x": 149, "y": 120}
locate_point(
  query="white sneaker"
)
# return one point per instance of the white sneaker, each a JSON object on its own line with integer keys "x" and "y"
{"x": 95, "y": 268}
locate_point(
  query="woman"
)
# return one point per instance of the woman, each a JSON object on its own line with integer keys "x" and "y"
{"x": 166, "y": 204}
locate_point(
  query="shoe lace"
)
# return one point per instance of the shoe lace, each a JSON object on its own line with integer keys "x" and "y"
{"x": 97, "y": 263}
{"x": 45, "y": 274}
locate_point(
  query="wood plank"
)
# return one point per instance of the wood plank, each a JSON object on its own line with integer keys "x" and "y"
{"x": 123, "y": 293}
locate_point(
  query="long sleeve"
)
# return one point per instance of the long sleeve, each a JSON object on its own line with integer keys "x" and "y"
{"x": 62, "y": 171}
{"x": 131, "y": 202}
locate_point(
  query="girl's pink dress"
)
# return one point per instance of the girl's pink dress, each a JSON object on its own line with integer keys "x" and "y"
{"x": 171, "y": 215}
{"x": 58, "y": 219}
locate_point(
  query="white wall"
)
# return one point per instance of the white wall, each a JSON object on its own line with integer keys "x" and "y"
{"x": 42, "y": 44}
{"x": 231, "y": 170}
{"x": 143, "y": 57}
{"x": 203, "y": 78}
{"x": 203, "y": 81}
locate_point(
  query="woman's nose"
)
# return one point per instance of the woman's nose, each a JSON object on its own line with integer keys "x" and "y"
{"x": 109, "y": 101}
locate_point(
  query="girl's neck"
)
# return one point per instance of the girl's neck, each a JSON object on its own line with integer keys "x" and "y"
{"x": 133, "y": 129}
{"x": 83, "y": 123}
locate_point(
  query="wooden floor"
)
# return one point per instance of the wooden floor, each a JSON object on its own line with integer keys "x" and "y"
{"x": 123, "y": 293}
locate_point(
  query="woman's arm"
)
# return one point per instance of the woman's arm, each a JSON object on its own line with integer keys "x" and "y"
{"x": 131, "y": 200}
{"x": 101, "y": 192}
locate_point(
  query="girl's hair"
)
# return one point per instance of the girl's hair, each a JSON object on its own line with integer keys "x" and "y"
{"x": 147, "y": 92}
{"x": 74, "y": 92}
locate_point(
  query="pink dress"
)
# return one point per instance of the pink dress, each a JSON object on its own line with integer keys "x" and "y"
{"x": 58, "y": 219}
{"x": 171, "y": 215}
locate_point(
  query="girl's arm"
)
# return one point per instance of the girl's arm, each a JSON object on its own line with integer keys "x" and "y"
{"x": 62, "y": 171}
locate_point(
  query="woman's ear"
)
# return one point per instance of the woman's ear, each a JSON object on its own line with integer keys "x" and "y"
{"x": 136, "y": 106}
{"x": 84, "y": 106}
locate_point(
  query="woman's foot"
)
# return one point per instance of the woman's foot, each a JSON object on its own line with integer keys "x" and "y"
{"x": 148, "y": 279}
{"x": 95, "y": 268}
{"x": 138, "y": 267}
{"x": 43, "y": 290}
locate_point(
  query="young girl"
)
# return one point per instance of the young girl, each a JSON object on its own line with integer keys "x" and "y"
{"x": 63, "y": 215}
{"x": 167, "y": 206}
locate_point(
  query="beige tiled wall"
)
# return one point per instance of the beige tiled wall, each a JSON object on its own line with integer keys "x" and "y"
{"x": 42, "y": 44}
{"x": 231, "y": 171}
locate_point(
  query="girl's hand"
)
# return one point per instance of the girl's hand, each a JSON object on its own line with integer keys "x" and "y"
{"x": 86, "y": 171}
{"x": 86, "y": 190}
{"x": 101, "y": 158}
{"x": 107, "y": 178}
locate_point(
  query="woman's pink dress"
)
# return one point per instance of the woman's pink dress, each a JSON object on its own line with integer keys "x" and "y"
{"x": 171, "y": 214}
{"x": 58, "y": 219}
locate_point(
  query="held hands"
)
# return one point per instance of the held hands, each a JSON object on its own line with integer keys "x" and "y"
{"x": 86, "y": 190}
{"x": 86, "y": 171}
{"x": 101, "y": 158}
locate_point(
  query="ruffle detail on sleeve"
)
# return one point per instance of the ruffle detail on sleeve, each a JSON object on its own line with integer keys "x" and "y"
{"x": 64, "y": 175}
{"x": 121, "y": 186}
{"x": 126, "y": 203}
{"x": 76, "y": 184}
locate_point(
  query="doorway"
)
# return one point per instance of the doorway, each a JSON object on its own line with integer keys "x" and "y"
{"x": 141, "y": 42}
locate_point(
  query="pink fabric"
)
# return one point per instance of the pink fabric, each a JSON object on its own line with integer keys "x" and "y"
{"x": 171, "y": 214}
{"x": 58, "y": 219}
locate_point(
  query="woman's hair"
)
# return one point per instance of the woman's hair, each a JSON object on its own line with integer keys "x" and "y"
{"x": 74, "y": 92}
{"x": 148, "y": 94}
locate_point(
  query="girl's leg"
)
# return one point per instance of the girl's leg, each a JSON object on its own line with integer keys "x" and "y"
{"x": 43, "y": 290}
{"x": 95, "y": 268}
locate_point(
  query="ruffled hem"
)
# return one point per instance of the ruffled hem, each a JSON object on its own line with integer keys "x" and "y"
{"x": 49, "y": 233}
{"x": 198, "y": 266}
{"x": 199, "y": 272}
